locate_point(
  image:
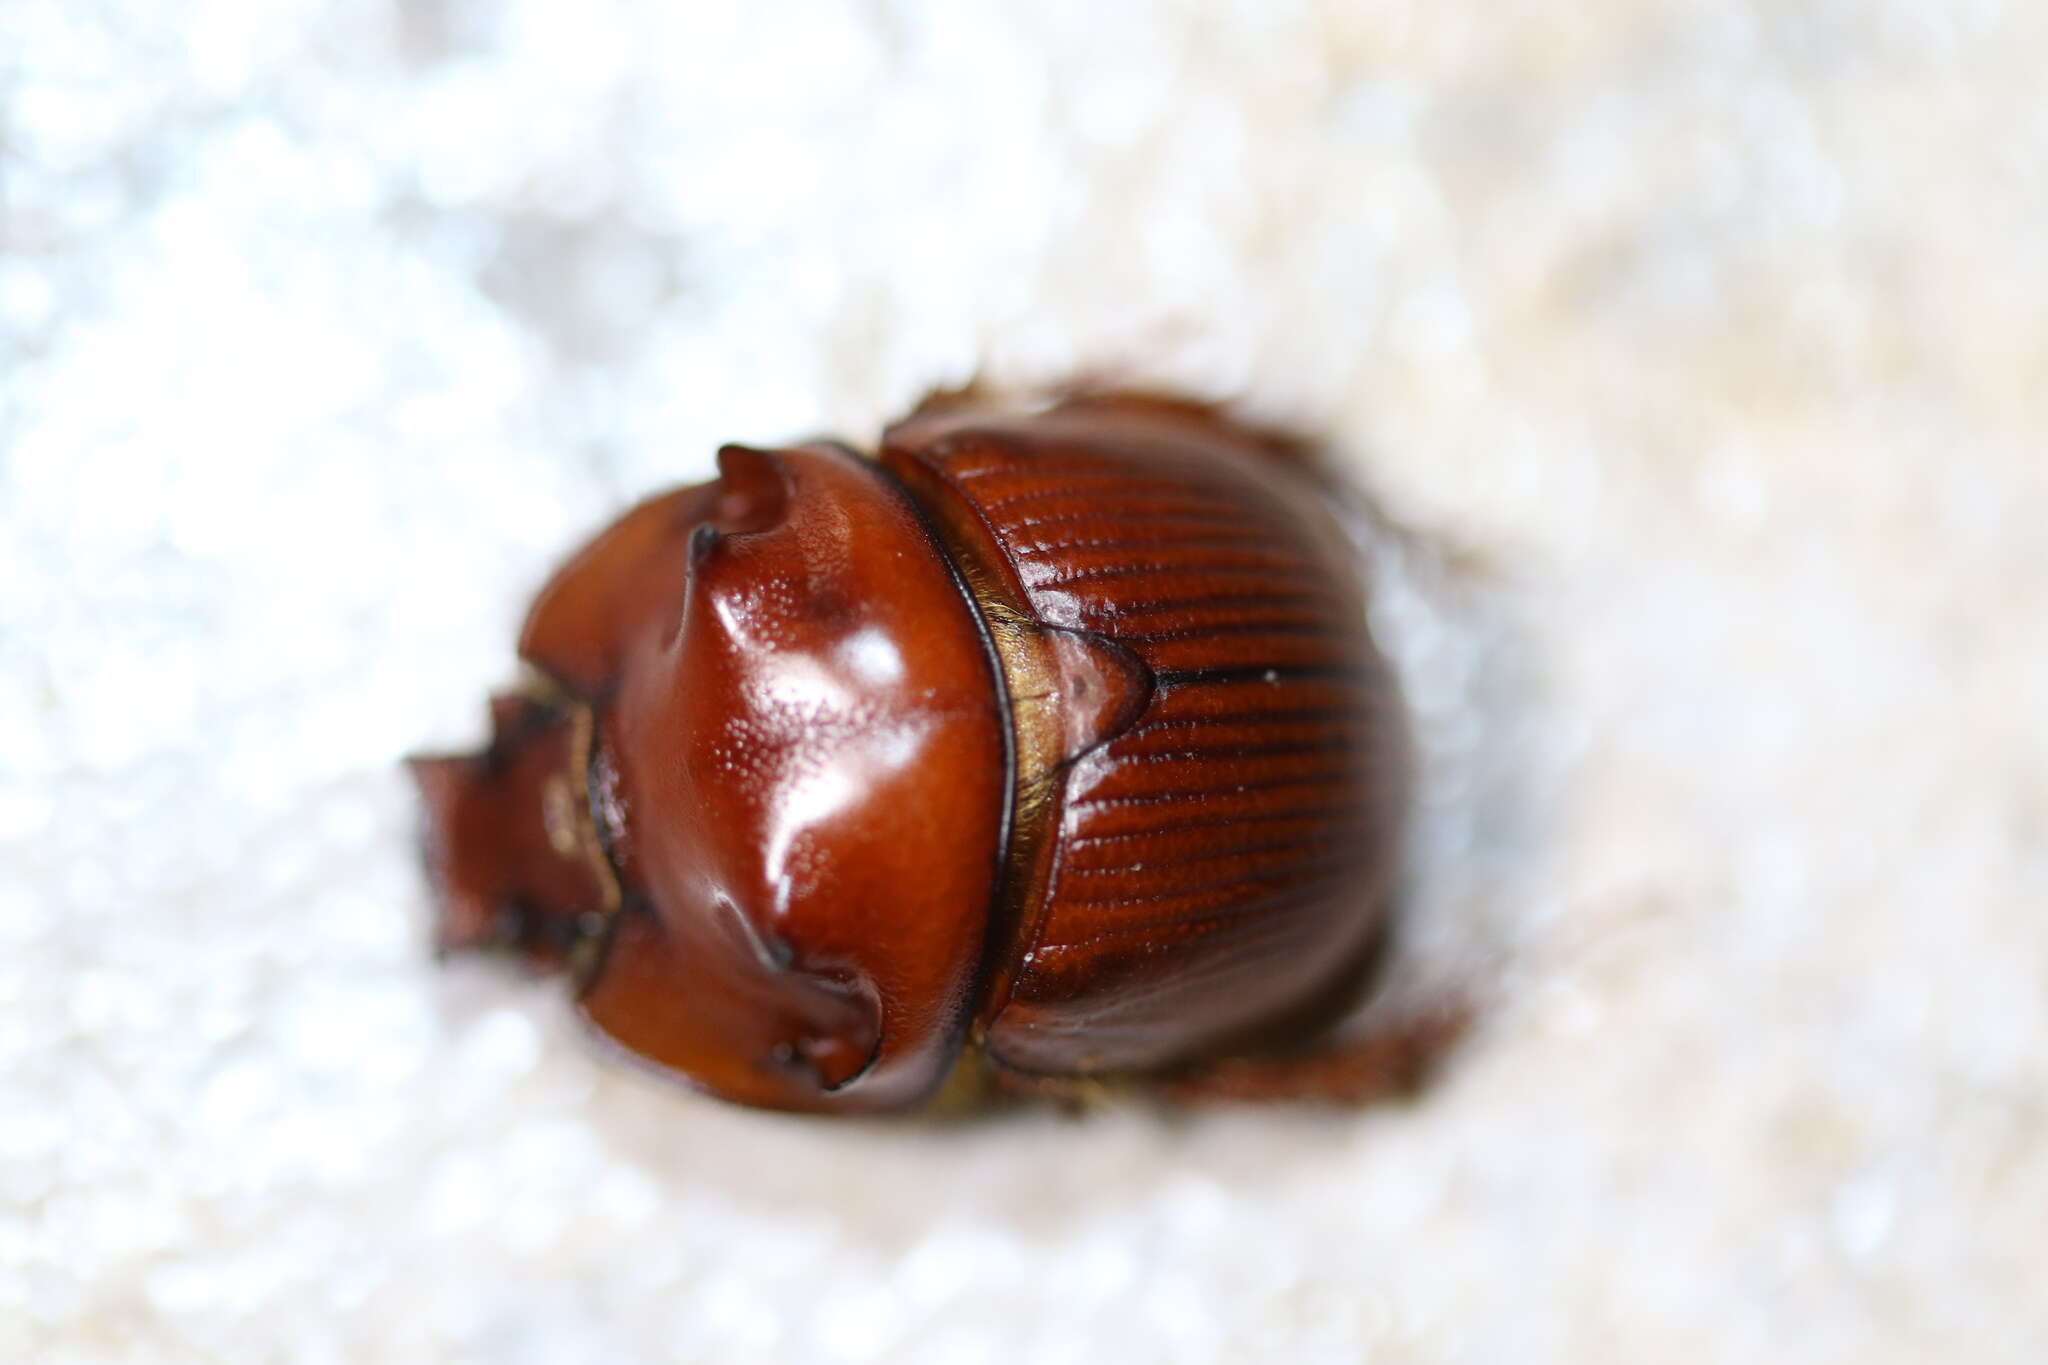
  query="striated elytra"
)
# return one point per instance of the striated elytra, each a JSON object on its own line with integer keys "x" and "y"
{"x": 1047, "y": 746}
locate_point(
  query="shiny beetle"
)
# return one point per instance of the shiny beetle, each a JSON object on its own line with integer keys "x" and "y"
{"x": 1046, "y": 748}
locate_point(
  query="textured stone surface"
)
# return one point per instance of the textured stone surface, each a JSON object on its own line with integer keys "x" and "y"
{"x": 1708, "y": 344}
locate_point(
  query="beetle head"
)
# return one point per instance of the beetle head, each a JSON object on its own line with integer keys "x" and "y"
{"x": 510, "y": 846}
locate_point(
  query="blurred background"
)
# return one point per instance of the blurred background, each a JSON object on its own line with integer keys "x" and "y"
{"x": 1701, "y": 347}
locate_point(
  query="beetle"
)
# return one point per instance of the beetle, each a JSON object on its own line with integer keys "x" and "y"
{"x": 1046, "y": 747}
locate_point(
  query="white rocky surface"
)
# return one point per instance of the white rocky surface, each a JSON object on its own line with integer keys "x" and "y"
{"x": 1707, "y": 342}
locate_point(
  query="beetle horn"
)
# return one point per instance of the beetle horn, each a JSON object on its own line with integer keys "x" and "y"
{"x": 509, "y": 845}
{"x": 753, "y": 490}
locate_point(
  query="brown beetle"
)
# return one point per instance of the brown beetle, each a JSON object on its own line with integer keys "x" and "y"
{"x": 1051, "y": 745}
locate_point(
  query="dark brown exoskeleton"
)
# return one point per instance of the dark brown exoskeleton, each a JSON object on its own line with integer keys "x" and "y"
{"x": 1050, "y": 746}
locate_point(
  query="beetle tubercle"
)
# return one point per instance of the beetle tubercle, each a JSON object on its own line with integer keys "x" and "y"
{"x": 510, "y": 850}
{"x": 753, "y": 490}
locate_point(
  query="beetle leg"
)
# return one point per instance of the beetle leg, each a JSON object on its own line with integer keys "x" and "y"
{"x": 1393, "y": 1061}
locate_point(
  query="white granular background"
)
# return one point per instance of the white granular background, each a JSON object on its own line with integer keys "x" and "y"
{"x": 1701, "y": 348}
